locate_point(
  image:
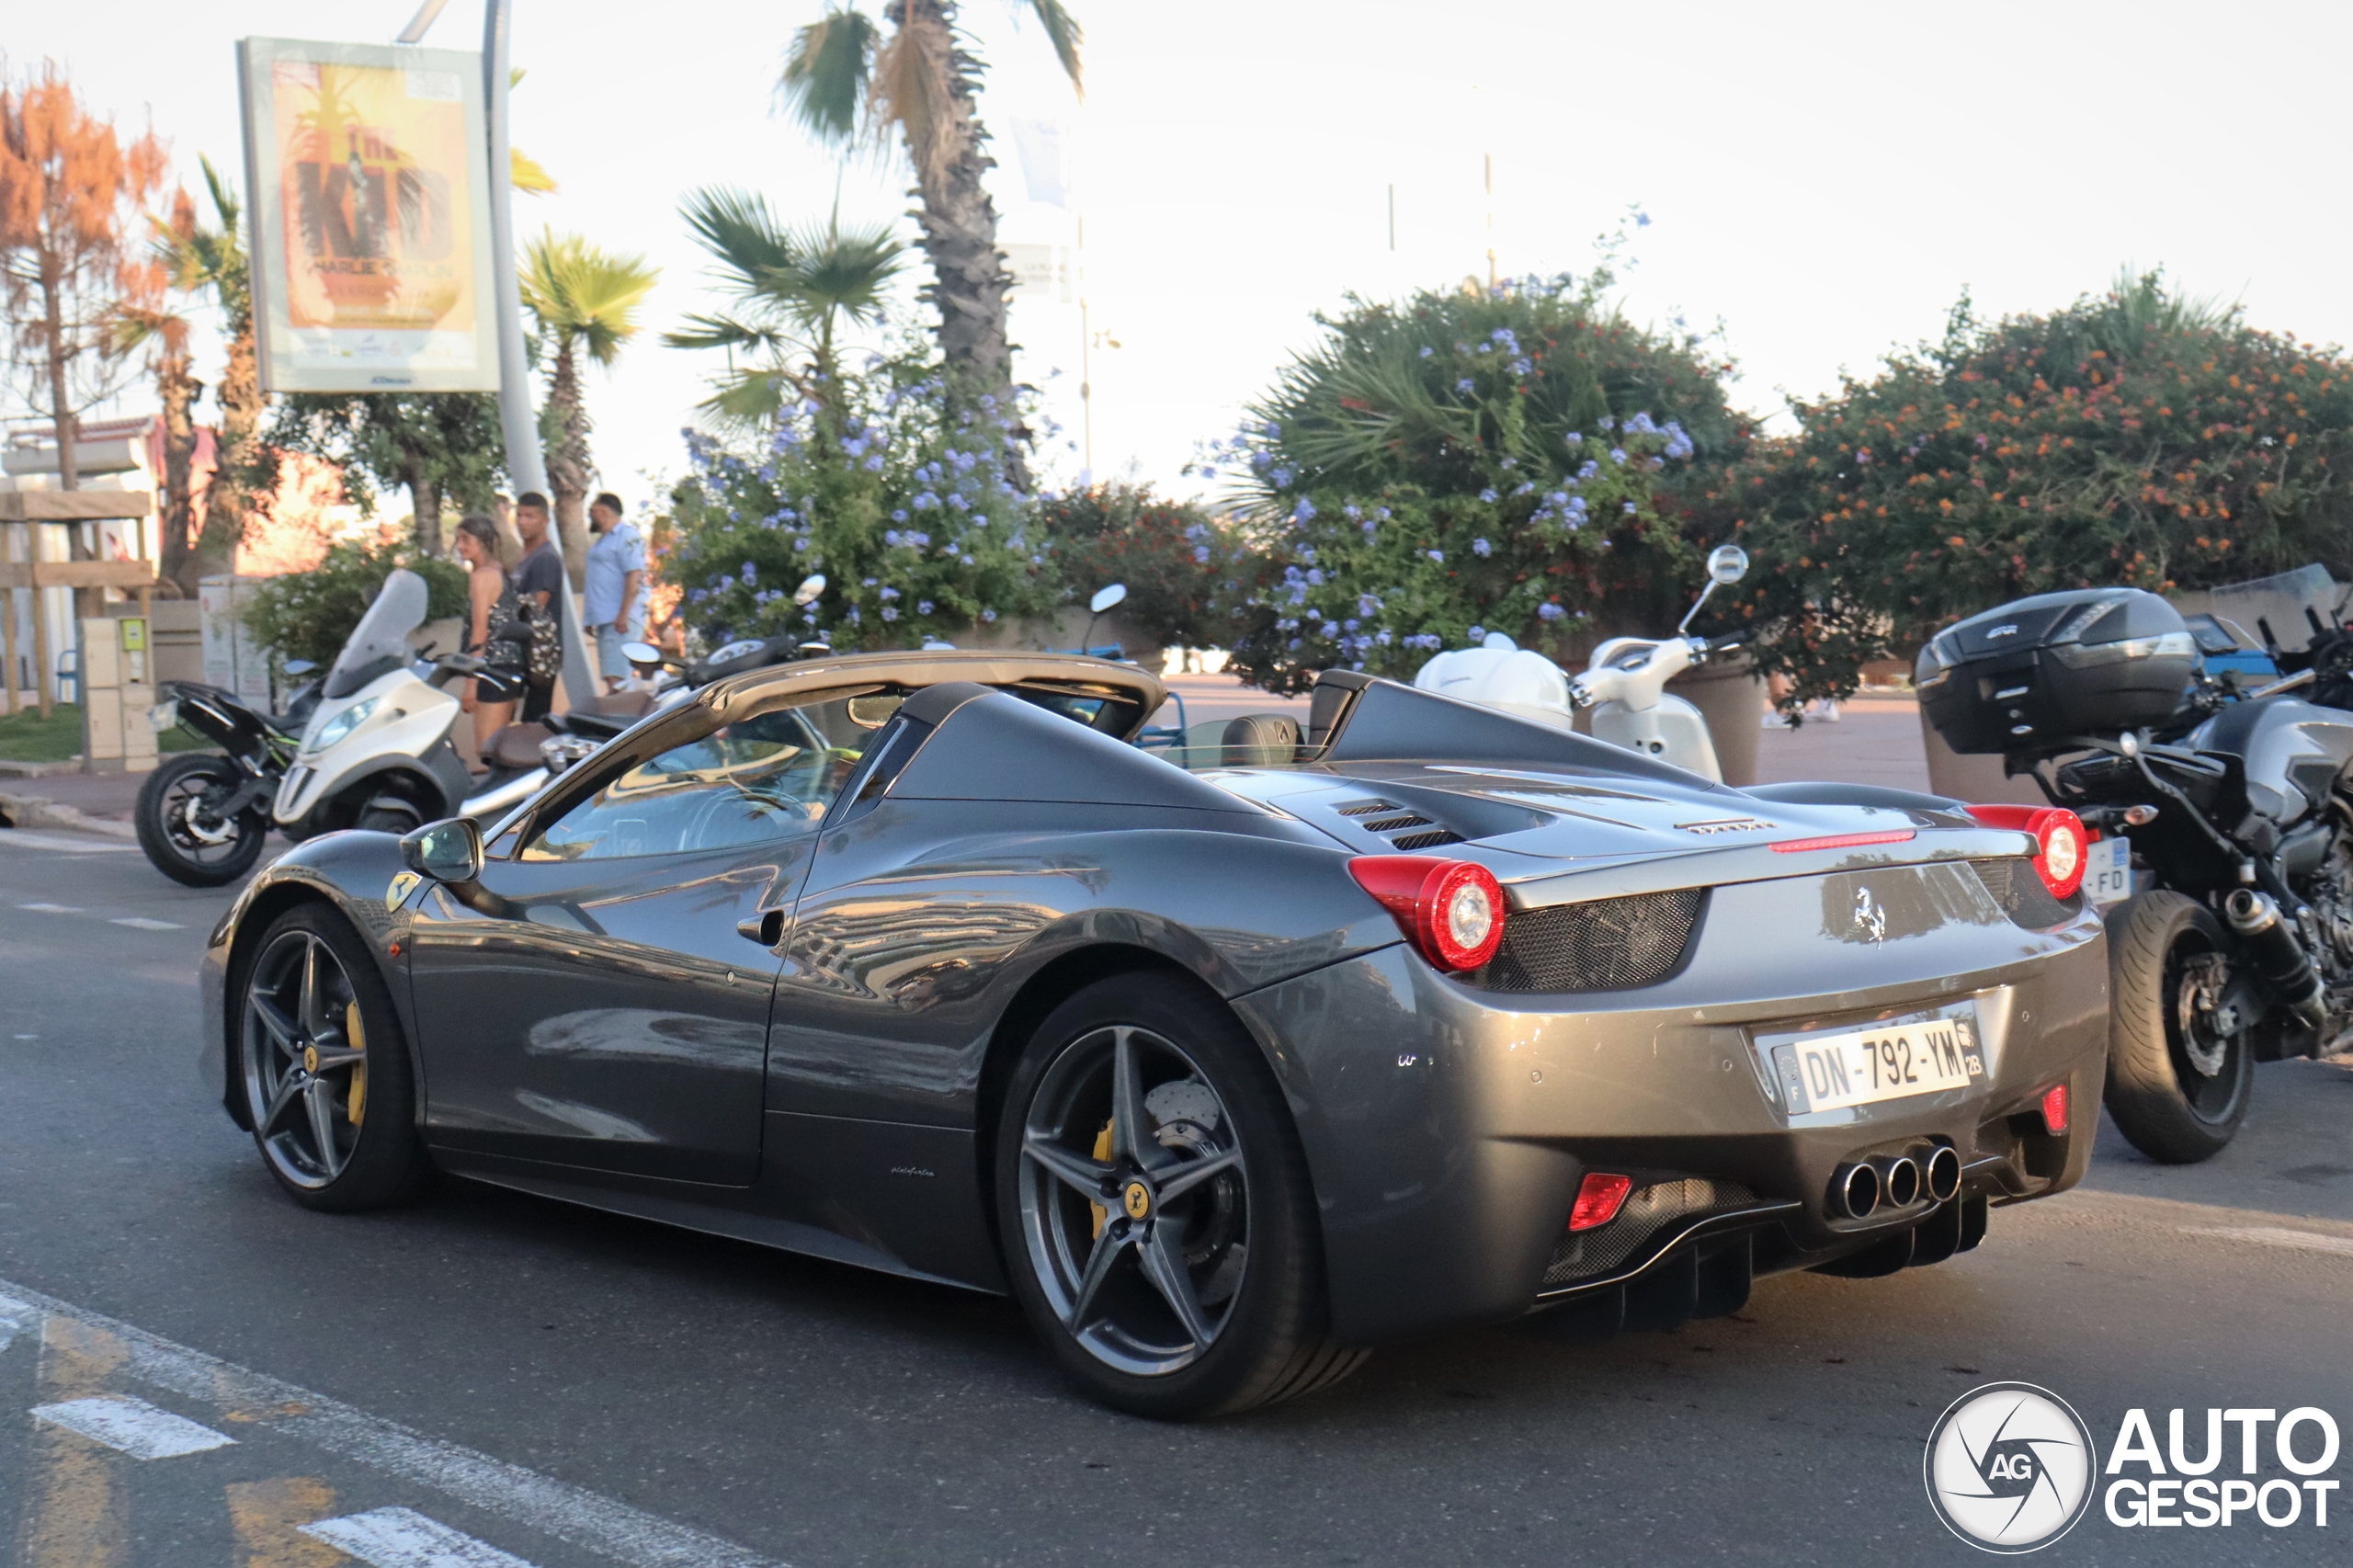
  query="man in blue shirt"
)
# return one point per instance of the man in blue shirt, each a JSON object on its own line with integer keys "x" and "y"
{"x": 614, "y": 588}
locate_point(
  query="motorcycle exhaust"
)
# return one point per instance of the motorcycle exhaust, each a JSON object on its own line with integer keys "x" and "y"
{"x": 1855, "y": 1190}
{"x": 2281, "y": 961}
{"x": 1944, "y": 1175}
{"x": 1900, "y": 1179}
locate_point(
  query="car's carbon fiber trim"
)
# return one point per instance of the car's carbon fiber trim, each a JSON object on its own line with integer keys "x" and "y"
{"x": 1605, "y": 943}
{"x": 2018, "y": 888}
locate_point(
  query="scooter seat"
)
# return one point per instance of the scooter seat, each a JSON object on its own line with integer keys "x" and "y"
{"x": 516, "y": 745}
{"x": 624, "y": 704}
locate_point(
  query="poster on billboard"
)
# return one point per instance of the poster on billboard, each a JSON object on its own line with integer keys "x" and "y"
{"x": 367, "y": 175}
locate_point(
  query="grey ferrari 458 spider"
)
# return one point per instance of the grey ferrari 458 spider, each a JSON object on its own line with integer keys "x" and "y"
{"x": 1230, "y": 1060}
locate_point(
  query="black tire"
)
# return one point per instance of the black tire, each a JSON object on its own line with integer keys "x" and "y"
{"x": 375, "y": 1157}
{"x": 1244, "y": 1237}
{"x": 2165, "y": 1098}
{"x": 171, "y": 797}
{"x": 389, "y": 816}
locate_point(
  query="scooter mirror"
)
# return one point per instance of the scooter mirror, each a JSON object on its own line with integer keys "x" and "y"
{"x": 1727, "y": 564}
{"x": 644, "y": 655}
{"x": 1106, "y": 598}
{"x": 300, "y": 666}
{"x": 811, "y": 586}
{"x": 446, "y": 851}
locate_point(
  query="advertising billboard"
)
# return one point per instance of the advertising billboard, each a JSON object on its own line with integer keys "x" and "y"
{"x": 367, "y": 174}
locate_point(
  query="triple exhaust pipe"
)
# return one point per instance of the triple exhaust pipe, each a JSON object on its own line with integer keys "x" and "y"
{"x": 1895, "y": 1181}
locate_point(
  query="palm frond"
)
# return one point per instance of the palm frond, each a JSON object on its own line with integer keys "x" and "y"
{"x": 727, "y": 332}
{"x": 740, "y": 232}
{"x": 528, "y": 174}
{"x": 1064, "y": 33}
{"x": 827, "y": 71}
{"x": 837, "y": 272}
{"x": 225, "y": 205}
{"x": 912, "y": 88}
{"x": 750, "y": 397}
{"x": 579, "y": 292}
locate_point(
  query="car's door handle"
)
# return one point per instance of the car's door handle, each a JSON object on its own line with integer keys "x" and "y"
{"x": 767, "y": 927}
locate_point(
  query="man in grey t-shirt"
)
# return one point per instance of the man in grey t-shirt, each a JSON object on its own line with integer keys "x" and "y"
{"x": 539, "y": 577}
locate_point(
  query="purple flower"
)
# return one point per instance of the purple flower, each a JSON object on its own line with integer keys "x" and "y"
{"x": 751, "y": 572}
{"x": 1304, "y": 512}
{"x": 1549, "y": 612}
{"x": 1629, "y": 508}
{"x": 1478, "y": 634}
{"x": 889, "y": 612}
{"x": 1481, "y": 548}
{"x": 1487, "y": 495}
{"x": 923, "y": 607}
{"x": 1438, "y": 555}
{"x": 1465, "y": 385}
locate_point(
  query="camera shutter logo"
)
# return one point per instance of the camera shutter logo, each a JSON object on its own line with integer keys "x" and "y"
{"x": 2009, "y": 1468}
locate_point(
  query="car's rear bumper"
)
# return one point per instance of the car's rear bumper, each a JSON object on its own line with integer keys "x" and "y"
{"x": 1448, "y": 1128}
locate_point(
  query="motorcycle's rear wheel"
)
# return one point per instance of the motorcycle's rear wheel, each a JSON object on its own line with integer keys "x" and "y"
{"x": 2178, "y": 1081}
{"x": 181, "y": 831}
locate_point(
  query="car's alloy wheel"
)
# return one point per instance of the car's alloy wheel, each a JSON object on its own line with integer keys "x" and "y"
{"x": 1134, "y": 1201}
{"x": 326, "y": 1081}
{"x": 1155, "y": 1209}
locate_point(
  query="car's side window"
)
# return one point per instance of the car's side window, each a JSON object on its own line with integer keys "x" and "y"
{"x": 767, "y": 777}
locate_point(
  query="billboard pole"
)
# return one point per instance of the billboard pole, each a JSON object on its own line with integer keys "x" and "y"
{"x": 524, "y": 465}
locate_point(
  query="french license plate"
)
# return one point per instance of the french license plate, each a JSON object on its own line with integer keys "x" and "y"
{"x": 2107, "y": 871}
{"x": 1917, "y": 1055}
{"x": 162, "y": 716}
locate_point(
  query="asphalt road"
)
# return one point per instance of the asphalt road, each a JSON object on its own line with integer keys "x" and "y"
{"x": 510, "y": 1375}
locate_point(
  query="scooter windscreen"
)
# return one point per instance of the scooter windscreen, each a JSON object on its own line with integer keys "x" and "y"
{"x": 379, "y": 644}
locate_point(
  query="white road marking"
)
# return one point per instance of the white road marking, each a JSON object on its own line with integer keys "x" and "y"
{"x": 15, "y": 1318}
{"x": 25, "y": 838}
{"x": 53, "y": 908}
{"x": 141, "y": 923}
{"x": 133, "y": 1425}
{"x": 402, "y": 1537}
{"x": 568, "y": 1513}
{"x": 2279, "y": 1237}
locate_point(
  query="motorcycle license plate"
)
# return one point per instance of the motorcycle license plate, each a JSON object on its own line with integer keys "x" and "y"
{"x": 1921, "y": 1053}
{"x": 2107, "y": 871}
{"x": 162, "y": 716}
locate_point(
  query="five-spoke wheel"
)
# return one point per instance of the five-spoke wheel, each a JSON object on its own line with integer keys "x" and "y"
{"x": 326, "y": 1082}
{"x": 1155, "y": 1209}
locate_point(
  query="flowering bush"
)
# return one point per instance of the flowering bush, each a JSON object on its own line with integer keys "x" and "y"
{"x": 1171, "y": 554}
{"x": 1464, "y": 464}
{"x": 904, "y": 506}
{"x": 310, "y": 615}
{"x": 2135, "y": 438}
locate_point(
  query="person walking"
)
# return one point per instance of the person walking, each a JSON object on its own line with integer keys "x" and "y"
{"x": 614, "y": 590}
{"x": 538, "y": 578}
{"x": 490, "y": 604}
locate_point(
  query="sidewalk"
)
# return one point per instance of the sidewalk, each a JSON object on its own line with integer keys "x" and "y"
{"x": 100, "y": 802}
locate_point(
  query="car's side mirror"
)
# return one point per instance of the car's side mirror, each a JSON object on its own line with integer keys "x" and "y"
{"x": 446, "y": 851}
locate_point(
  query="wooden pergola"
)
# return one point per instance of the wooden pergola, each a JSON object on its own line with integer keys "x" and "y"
{"x": 18, "y": 569}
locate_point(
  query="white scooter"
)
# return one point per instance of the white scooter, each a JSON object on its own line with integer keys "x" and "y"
{"x": 377, "y": 752}
{"x": 1624, "y": 683}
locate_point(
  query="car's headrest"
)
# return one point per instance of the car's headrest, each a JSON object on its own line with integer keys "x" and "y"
{"x": 1258, "y": 740}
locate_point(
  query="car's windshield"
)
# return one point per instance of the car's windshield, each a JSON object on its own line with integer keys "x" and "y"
{"x": 380, "y": 640}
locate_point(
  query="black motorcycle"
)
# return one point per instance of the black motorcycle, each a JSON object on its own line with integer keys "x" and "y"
{"x": 2221, "y": 813}
{"x": 202, "y": 816}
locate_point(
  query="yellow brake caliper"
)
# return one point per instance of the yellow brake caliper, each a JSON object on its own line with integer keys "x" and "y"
{"x": 357, "y": 1102}
{"x": 1102, "y": 1152}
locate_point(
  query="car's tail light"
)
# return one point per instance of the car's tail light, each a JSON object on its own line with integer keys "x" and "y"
{"x": 2059, "y": 841}
{"x": 1452, "y": 911}
{"x": 2055, "y": 1109}
{"x": 1598, "y": 1198}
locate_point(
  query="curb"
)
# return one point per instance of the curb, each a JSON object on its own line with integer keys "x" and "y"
{"x": 36, "y": 769}
{"x": 36, "y": 811}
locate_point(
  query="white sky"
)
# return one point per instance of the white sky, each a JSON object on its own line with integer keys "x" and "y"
{"x": 1821, "y": 178}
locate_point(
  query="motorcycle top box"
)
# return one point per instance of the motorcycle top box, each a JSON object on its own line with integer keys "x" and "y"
{"x": 2030, "y": 674}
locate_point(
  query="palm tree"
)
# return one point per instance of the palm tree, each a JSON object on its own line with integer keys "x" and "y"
{"x": 843, "y": 80}
{"x": 583, "y": 298}
{"x": 793, "y": 290}
{"x": 147, "y": 318}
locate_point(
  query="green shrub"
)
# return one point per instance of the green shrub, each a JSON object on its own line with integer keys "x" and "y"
{"x": 310, "y": 615}
{"x": 1465, "y": 463}
{"x": 2134, "y": 438}
{"x": 1171, "y": 554}
{"x": 903, "y": 504}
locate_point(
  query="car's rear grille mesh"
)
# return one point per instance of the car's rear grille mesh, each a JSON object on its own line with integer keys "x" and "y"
{"x": 1605, "y": 943}
{"x": 1585, "y": 1254}
{"x": 1429, "y": 840}
{"x": 2018, "y": 888}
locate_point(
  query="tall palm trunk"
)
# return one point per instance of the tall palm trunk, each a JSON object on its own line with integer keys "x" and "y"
{"x": 228, "y": 503}
{"x": 177, "y": 391}
{"x": 568, "y": 464}
{"x": 958, "y": 217}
